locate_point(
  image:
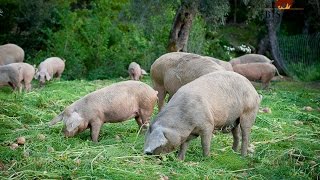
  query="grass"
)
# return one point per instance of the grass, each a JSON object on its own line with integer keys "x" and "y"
{"x": 287, "y": 141}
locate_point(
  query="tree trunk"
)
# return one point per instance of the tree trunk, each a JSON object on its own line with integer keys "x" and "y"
{"x": 263, "y": 45}
{"x": 273, "y": 21}
{"x": 179, "y": 33}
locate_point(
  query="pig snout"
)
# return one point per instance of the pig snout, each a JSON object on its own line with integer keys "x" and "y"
{"x": 69, "y": 133}
{"x": 41, "y": 83}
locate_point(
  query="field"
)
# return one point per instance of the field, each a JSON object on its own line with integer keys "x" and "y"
{"x": 287, "y": 140}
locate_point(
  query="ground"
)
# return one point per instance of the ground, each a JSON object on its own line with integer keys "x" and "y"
{"x": 286, "y": 140}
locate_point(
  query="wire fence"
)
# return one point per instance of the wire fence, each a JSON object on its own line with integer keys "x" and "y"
{"x": 301, "y": 55}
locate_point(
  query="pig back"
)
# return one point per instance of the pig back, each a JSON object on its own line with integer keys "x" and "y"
{"x": 219, "y": 97}
{"x": 250, "y": 58}
{"x": 11, "y": 53}
{"x": 25, "y": 70}
{"x": 174, "y": 70}
{"x": 52, "y": 65}
{"x": 119, "y": 101}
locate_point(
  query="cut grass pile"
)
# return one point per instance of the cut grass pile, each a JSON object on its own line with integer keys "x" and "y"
{"x": 287, "y": 140}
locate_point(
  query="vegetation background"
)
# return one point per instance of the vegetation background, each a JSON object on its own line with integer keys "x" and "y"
{"x": 99, "y": 39}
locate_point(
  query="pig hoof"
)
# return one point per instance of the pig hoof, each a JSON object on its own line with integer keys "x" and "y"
{"x": 251, "y": 148}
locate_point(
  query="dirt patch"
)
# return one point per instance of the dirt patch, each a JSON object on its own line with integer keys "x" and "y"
{"x": 283, "y": 78}
{"x": 314, "y": 85}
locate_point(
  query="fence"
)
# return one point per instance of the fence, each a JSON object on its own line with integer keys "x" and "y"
{"x": 301, "y": 55}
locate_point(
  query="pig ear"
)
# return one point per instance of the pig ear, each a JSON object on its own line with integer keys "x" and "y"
{"x": 72, "y": 121}
{"x": 36, "y": 76}
{"x": 156, "y": 139}
{"x": 35, "y": 68}
{"x": 56, "y": 119}
{"x": 143, "y": 72}
{"x": 48, "y": 76}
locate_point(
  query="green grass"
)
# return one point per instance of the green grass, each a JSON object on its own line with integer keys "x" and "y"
{"x": 287, "y": 141}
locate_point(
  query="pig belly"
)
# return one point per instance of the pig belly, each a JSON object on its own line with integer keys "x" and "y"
{"x": 120, "y": 115}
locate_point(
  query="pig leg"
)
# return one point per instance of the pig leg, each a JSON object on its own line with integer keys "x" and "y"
{"x": 161, "y": 95}
{"x": 206, "y": 136}
{"x": 145, "y": 116}
{"x": 95, "y": 130}
{"x": 28, "y": 87}
{"x": 236, "y": 137}
{"x": 265, "y": 81}
{"x": 246, "y": 122}
{"x": 184, "y": 147}
{"x": 58, "y": 75}
{"x": 139, "y": 121}
{"x": 265, "y": 85}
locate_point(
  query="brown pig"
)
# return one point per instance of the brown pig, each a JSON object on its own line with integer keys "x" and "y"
{"x": 217, "y": 101}
{"x": 173, "y": 70}
{"x": 257, "y": 71}
{"x": 135, "y": 71}
{"x": 226, "y": 65}
{"x": 115, "y": 103}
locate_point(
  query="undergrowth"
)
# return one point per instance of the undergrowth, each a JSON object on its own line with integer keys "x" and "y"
{"x": 286, "y": 141}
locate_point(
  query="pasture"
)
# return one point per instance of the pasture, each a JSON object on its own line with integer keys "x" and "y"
{"x": 287, "y": 140}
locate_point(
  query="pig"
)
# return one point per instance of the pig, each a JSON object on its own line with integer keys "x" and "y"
{"x": 250, "y": 58}
{"x": 226, "y": 65}
{"x": 115, "y": 103}
{"x": 26, "y": 73}
{"x": 173, "y": 70}
{"x": 216, "y": 101}
{"x": 135, "y": 71}
{"x": 10, "y": 76}
{"x": 11, "y": 53}
{"x": 257, "y": 71}
{"x": 53, "y": 66}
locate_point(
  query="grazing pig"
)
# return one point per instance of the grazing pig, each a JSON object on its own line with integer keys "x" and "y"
{"x": 257, "y": 71}
{"x": 135, "y": 71}
{"x": 115, "y": 103}
{"x": 26, "y": 73}
{"x": 10, "y": 76}
{"x": 250, "y": 58}
{"x": 173, "y": 70}
{"x": 216, "y": 101}
{"x": 11, "y": 53}
{"x": 224, "y": 64}
{"x": 49, "y": 68}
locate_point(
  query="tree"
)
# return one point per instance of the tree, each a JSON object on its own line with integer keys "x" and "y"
{"x": 179, "y": 33}
{"x": 270, "y": 41}
{"x": 213, "y": 12}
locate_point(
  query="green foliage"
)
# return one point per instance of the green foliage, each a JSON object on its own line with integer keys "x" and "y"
{"x": 231, "y": 35}
{"x": 197, "y": 39}
{"x": 215, "y": 12}
{"x": 214, "y": 47}
{"x": 286, "y": 141}
{"x": 97, "y": 44}
{"x": 97, "y": 38}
